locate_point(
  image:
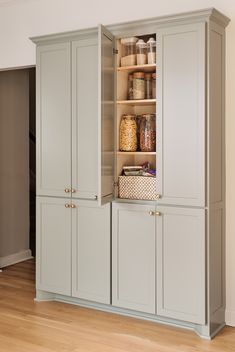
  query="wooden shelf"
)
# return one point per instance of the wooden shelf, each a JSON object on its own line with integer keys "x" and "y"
{"x": 136, "y": 153}
{"x": 137, "y": 102}
{"x": 145, "y": 68}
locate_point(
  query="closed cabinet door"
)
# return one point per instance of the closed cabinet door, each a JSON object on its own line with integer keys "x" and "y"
{"x": 181, "y": 264}
{"x": 133, "y": 256}
{"x": 53, "y": 120}
{"x": 91, "y": 251}
{"x": 181, "y": 115}
{"x": 54, "y": 231}
{"x": 85, "y": 118}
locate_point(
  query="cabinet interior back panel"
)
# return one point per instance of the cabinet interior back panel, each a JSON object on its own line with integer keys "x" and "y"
{"x": 182, "y": 115}
{"x": 84, "y": 123}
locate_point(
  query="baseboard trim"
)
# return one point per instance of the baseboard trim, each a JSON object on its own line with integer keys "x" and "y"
{"x": 230, "y": 317}
{"x": 15, "y": 258}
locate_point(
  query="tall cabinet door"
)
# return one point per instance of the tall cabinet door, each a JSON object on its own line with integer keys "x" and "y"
{"x": 106, "y": 116}
{"x": 54, "y": 232}
{"x": 53, "y": 120}
{"x": 85, "y": 118}
{"x": 181, "y": 114}
{"x": 133, "y": 256}
{"x": 91, "y": 251}
{"x": 181, "y": 264}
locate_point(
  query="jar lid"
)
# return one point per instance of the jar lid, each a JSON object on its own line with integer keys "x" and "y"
{"x": 138, "y": 74}
{"x": 151, "y": 41}
{"x": 130, "y": 76}
{"x": 130, "y": 40}
{"x": 148, "y": 75}
{"x": 128, "y": 116}
{"x": 154, "y": 75}
{"x": 141, "y": 43}
{"x": 149, "y": 116}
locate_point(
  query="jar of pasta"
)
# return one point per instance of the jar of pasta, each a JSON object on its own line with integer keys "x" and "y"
{"x": 128, "y": 134}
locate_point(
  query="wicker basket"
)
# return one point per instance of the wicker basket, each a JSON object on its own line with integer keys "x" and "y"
{"x": 137, "y": 187}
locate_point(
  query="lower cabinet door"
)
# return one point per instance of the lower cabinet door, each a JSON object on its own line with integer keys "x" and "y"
{"x": 181, "y": 264}
{"x": 54, "y": 229}
{"x": 133, "y": 257}
{"x": 91, "y": 251}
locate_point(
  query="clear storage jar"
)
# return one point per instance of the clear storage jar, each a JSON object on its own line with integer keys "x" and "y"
{"x": 141, "y": 52}
{"x": 138, "y": 85}
{"x": 153, "y": 85}
{"x": 128, "y": 134}
{"x": 148, "y": 85}
{"x": 128, "y": 51}
{"x": 148, "y": 133}
{"x": 130, "y": 87}
{"x": 151, "y": 49}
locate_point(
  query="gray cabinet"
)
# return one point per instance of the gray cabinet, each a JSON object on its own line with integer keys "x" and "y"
{"x": 133, "y": 257}
{"x": 181, "y": 264}
{"x": 91, "y": 251}
{"x": 181, "y": 114}
{"x": 54, "y": 239}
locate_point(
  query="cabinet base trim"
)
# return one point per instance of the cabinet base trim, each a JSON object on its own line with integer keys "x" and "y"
{"x": 15, "y": 258}
{"x": 201, "y": 330}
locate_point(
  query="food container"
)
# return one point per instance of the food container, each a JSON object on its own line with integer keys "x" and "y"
{"x": 128, "y": 134}
{"x": 128, "y": 51}
{"x": 148, "y": 133}
{"x": 130, "y": 87}
{"x": 138, "y": 85}
{"x": 151, "y": 49}
{"x": 148, "y": 86}
{"x": 137, "y": 187}
{"x": 141, "y": 52}
{"x": 153, "y": 85}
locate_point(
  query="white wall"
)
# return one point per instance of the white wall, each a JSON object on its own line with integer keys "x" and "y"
{"x": 26, "y": 18}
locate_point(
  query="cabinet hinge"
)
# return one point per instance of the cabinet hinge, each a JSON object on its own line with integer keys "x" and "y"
{"x": 115, "y": 51}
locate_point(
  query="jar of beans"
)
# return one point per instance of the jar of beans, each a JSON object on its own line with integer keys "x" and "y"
{"x": 128, "y": 134}
{"x": 148, "y": 133}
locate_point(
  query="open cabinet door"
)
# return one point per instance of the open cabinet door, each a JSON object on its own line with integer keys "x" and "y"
{"x": 106, "y": 116}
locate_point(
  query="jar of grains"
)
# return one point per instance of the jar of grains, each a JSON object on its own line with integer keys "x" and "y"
{"x": 130, "y": 87}
{"x": 128, "y": 134}
{"x": 128, "y": 51}
{"x": 148, "y": 133}
{"x": 148, "y": 85}
{"x": 151, "y": 48}
{"x": 141, "y": 52}
{"x": 154, "y": 85}
{"x": 138, "y": 85}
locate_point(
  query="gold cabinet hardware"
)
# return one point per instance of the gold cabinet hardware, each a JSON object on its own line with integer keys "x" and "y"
{"x": 73, "y": 190}
{"x": 151, "y": 213}
{"x": 157, "y": 213}
{"x": 67, "y": 190}
{"x": 158, "y": 196}
{"x": 73, "y": 206}
{"x": 67, "y": 205}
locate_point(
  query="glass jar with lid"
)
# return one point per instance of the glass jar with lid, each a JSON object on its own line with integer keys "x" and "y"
{"x": 148, "y": 85}
{"x": 148, "y": 133}
{"x": 128, "y": 51}
{"x": 151, "y": 49}
{"x": 128, "y": 133}
{"x": 138, "y": 85}
{"x": 141, "y": 52}
{"x": 153, "y": 85}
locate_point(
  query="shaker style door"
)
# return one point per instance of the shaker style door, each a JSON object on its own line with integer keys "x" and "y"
{"x": 181, "y": 115}
{"x": 53, "y": 120}
{"x": 91, "y": 251}
{"x": 133, "y": 257}
{"x": 106, "y": 116}
{"x": 54, "y": 231}
{"x": 85, "y": 118}
{"x": 181, "y": 269}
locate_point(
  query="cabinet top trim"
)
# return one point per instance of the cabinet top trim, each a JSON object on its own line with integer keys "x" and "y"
{"x": 139, "y": 26}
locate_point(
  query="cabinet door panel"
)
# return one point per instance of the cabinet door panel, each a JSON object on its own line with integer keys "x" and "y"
{"x": 133, "y": 257}
{"x": 91, "y": 251}
{"x": 85, "y": 118}
{"x": 106, "y": 116}
{"x": 53, "y": 120}
{"x": 181, "y": 264}
{"x": 54, "y": 230}
{"x": 181, "y": 115}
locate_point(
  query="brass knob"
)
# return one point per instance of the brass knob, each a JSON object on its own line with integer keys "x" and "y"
{"x": 67, "y": 190}
{"x": 73, "y": 206}
{"x": 151, "y": 213}
{"x": 73, "y": 190}
{"x": 158, "y": 196}
{"x": 157, "y": 213}
{"x": 67, "y": 205}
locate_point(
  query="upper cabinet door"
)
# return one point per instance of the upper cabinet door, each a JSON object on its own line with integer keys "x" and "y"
{"x": 85, "y": 118}
{"x": 106, "y": 116}
{"x": 53, "y": 120}
{"x": 181, "y": 114}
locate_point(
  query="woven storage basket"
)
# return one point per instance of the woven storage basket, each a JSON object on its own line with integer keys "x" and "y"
{"x": 137, "y": 187}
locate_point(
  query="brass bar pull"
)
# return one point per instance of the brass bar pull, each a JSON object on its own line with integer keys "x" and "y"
{"x": 158, "y": 196}
{"x": 73, "y": 206}
{"x": 67, "y": 205}
{"x": 151, "y": 213}
{"x": 157, "y": 213}
{"x": 67, "y": 190}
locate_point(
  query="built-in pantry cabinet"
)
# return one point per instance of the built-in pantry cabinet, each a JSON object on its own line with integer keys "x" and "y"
{"x": 160, "y": 259}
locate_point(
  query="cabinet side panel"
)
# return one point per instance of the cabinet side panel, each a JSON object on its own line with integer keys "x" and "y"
{"x": 85, "y": 118}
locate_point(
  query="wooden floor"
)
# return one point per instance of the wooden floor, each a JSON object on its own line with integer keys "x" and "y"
{"x": 27, "y": 326}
